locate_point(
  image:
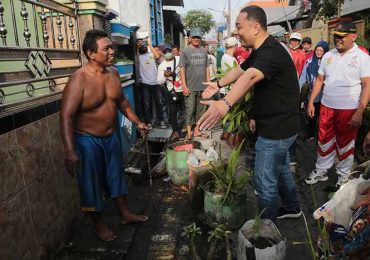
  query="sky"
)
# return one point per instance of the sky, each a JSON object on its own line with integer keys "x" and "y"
{"x": 219, "y": 5}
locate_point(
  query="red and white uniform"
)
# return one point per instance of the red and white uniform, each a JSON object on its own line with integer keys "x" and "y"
{"x": 299, "y": 59}
{"x": 342, "y": 90}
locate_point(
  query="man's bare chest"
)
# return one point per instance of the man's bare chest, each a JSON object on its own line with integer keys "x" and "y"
{"x": 100, "y": 93}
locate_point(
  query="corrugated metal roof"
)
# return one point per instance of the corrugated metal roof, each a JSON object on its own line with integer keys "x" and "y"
{"x": 352, "y": 6}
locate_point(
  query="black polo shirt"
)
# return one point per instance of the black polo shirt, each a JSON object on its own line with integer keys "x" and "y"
{"x": 276, "y": 97}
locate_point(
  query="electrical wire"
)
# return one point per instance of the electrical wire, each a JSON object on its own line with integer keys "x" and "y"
{"x": 285, "y": 15}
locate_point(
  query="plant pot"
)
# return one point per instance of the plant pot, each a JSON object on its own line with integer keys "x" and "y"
{"x": 176, "y": 163}
{"x": 199, "y": 176}
{"x": 234, "y": 139}
{"x": 267, "y": 244}
{"x": 233, "y": 213}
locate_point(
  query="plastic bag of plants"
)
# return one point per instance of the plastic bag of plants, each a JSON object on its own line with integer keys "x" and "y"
{"x": 260, "y": 241}
{"x": 346, "y": 243}
{"x": 346, "y": 233}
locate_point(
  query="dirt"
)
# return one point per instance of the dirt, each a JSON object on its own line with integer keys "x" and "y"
{"x": 261, "y": 242}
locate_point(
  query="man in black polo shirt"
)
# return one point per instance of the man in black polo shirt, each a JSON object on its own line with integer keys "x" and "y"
{"x": 271, "y": 71}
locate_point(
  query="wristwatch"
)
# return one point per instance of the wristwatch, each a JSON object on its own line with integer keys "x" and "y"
{"x": 218, "y": 84}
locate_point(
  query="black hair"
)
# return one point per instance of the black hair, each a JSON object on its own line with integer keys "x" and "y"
{"x": 175, "y": 46}
{"x": 90, "y": 40}
{"x": 257, "y": 14}
{"x": 143, "y": 49}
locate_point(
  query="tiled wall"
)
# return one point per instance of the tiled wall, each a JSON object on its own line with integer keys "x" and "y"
{"x": 39, "y": 201}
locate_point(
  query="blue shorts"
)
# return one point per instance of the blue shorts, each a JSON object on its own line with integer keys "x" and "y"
{"x": 102, "y": 169}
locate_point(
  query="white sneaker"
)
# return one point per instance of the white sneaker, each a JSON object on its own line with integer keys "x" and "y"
{"x": 342, "y": 179}
{"x": 293, "y": 163}
{"x": 315, "y": 177}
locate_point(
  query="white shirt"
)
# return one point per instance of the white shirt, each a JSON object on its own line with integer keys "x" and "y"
{"x": 212, "y": 66}
{"x": 343, "y": 74}
{"x": 229, "y": 60}
{"x": 148, "y": 68}
{"x": 161, "y": 79}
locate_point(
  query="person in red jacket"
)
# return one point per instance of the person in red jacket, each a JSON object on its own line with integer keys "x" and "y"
{"x": 298, "y": 55}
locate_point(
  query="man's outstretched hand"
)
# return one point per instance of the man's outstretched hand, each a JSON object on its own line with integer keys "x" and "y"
{"x": 143, "y": 128}
{"x": 215, "y": 112}
{"x": 211, "y": 89}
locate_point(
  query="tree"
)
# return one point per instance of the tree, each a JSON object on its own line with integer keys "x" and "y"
{"x": 320, "y": 9}
{"x": 199, "y": 18}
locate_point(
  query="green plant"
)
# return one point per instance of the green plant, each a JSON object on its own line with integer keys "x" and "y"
{"x": 221, "y": 73}
{"x": 225, "y": 179}
{"x": 122, "y": 59}
{"x": 219, "y": 233}
{"x": 323, "y": 235}
{"x": 257, "y": 223}
{"x": 191, "y": 231}
{"x": 236, "y": 119}
{"x": 365, "y": 42}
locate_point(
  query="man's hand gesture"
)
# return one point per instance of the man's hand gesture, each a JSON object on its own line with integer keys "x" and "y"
{"x": 310, "y": 109}
{"x": 356, "y": 119}
{"x": 72, "y": 163}
{"x": 252, "y": 125}
{"x": 215, "y": 112}
{"x": 211, "y": 89}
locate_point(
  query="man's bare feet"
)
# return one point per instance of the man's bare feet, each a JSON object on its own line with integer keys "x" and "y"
{"x": 198, "y": 133}
{"x": 104, "y": 232}
{"x": 130, "y": 218}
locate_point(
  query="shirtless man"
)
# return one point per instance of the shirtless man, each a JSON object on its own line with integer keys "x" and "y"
{"x": 92, "y": 150}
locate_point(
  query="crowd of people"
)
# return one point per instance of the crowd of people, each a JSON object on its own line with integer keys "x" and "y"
{"x": 336, "y": 82}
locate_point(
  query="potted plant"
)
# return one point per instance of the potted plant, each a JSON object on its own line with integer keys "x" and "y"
{"x": 225, "y": 197}
{"x": 123, "y": 64}
{"x": 260, "y": 239}
{"x": 192, "y": 231}
{"x": 217, "y": 235}
{"x": 235, "y": 122}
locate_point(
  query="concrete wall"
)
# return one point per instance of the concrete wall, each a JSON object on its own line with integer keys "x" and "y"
{"x": 137, "y": 12}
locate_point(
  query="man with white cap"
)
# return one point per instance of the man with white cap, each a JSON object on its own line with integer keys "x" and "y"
{"x": 228, "y": 58}
{"x": 298, "y": 55}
